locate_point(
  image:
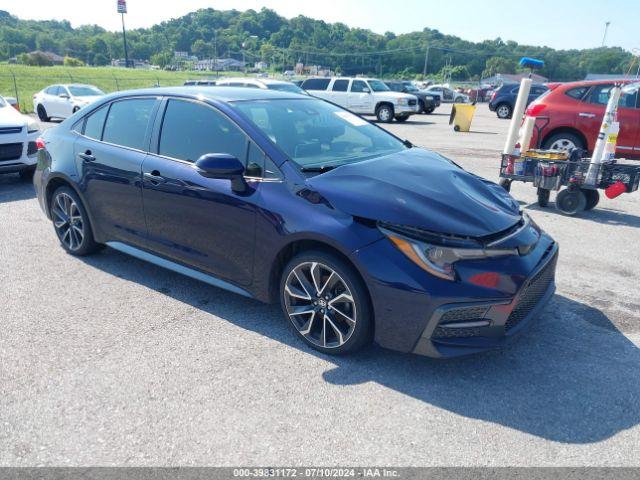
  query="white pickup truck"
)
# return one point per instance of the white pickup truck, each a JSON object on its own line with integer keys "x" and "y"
{"x": 365, "y": 96}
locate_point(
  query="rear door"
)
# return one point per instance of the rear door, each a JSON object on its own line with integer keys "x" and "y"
{"x": 360, "y": 97}
{"x": 198, "y": 221}
{"x": 109, "y": 157}
{"x": 340, "y": 92}
{"x": 318, "y": 87}
{"x": 52, "y": 102}
{"x": 591, "y": 112}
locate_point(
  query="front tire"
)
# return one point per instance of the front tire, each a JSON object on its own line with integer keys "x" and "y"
{"x": 429, "y": 110}
{"x": 326, "y": 303}
{"x": 42, "y": 114}
{"x": 402, "y": 118}
{"x": 384, "y": 113}
{"x": 71, "y": 223}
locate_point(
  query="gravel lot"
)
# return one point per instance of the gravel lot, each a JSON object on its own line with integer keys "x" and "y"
{"x": 111, "y": 361}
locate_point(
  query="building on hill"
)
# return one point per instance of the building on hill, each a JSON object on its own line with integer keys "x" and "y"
{"x": 610, "y": 76}
{"x": 223, "y": 64}
{"x": 135, "y": 63}
{"x": 54, "y": 58}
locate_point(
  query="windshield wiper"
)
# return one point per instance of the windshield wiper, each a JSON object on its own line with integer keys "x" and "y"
{"x": 320, "y": 169}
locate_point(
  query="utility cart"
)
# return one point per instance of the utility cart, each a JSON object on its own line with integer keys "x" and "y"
{"x": 552, "y": 170}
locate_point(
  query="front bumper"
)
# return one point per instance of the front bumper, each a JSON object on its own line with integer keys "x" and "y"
{"x": 490, "y": 304}
{"x": 18, "y": 151}
{"x": 406, "y": 109}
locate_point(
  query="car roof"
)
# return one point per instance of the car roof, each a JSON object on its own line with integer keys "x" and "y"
{"x": 220, "y": 93}
{"x": 264, "y": 81}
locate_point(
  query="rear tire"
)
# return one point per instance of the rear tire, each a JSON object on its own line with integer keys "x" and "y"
{"x": 593, "y": 197}
{"x": 504, "y": 111}
{"x": 563, "y": 141}
{"x": 543, "y": 197}
{"x": 42, "y": 114}
{"x": 422, "y": 108}
{"x": 71, "y": 223}
{"x": 334, "y": 317}
{"x": 384, "y": 113}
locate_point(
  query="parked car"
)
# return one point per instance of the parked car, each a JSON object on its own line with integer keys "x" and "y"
{"x": 447, "y": 95}
{"x": 200, "y": 83}
{"x": 18, "y": 135}
{"x": 13, "y": 101}
{"x": 570, "y": 116}
{"x": 365, "y": 96}
{"x": 62, "y": 101}
{"x": 264, "y": 83}
{"x": 503, "y": 99}
{"x": 426, "y": 103}
{"x": 286, "y": 198}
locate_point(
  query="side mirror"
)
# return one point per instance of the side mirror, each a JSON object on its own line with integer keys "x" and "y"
{"x": 222, "y": 166}
{"x": 366, "y": 90}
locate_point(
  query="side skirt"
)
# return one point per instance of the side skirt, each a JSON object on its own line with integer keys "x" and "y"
{"x": 176, "y": 267}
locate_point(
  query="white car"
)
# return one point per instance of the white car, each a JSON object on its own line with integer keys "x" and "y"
{"x": 18, "y": 135}
{"x": 364, "y": 96}
{"x": 263, "y": 83}
{"x": 447, "y": 95}
{"x": 62, "y": 101}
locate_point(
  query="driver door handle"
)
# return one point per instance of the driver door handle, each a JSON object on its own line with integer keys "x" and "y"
{"x": 87, "y": 156}
{"x": 586, "y": 115}
{"x": 154, "y": 177}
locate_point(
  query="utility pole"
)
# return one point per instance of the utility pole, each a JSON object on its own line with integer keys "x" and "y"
{"x": 122, "y": 9}
{"x": 426, "y": 61}
{"x": 215, "y": 51}
{"x": 606, "y": 29}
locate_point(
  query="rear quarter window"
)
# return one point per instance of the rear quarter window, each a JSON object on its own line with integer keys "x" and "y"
{"x": 576, "y": 92}
{"x": 316, "y": 83}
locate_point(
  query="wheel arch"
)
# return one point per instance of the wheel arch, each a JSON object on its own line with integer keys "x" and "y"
{"x": 384, "y": 102}
{"x": 296, "y": 246}
{"x": 565, "y": 129}
{"x": 59, "y": 180}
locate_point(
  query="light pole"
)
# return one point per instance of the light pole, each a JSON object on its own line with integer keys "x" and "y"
{"x": 244, "y": 46}
{"x": 606, "y": 29}
{"x": 122, "y": 9}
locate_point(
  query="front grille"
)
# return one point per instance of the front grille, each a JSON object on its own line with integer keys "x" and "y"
{"x": 413, "y": 103}
{"x": 467, "y": 314}
{"x": 10, "y": 151}
{"x": 8, "y": 130}
{"x": 532, "y": 294}
{"x": 440, "y": 332}
{"x": 32, "y": 148}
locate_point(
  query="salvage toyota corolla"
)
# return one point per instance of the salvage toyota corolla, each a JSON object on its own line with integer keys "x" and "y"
{"x": 359, "y": 235}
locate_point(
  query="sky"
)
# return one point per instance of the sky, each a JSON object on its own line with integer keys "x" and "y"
{"x": 560, "y": 24}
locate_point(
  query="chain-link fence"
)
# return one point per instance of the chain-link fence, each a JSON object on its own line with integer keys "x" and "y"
{"x": 23, "y": 83}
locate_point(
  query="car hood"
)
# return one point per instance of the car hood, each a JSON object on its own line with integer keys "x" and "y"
{"x": 421, "y": 189}
{"x": 10, "y": 117}
{"x": 396, "y": 95}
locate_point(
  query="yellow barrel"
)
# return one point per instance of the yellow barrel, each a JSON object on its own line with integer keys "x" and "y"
{"x": 461, "y": 116}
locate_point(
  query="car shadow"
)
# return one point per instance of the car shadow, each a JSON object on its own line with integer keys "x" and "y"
{"x": 572, "y": 377}
{"x": 13, "y": 188}
{"x": 606, "y": 216}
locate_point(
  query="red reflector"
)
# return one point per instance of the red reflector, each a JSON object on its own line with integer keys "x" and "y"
{"x": 489, "y": 279}
{"x": 39, "y": 143}
{"x": 535, "y": 109}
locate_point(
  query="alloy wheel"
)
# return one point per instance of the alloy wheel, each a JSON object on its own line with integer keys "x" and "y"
{"x": 563, "y": 144}
{"x": 320, "y": 304}
{"x": 503, "y": 111}
{"x": 67, "y": 220}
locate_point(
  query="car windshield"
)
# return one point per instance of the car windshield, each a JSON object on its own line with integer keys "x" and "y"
{"x": 3, "y": 103}
{"x": 286, "y": 87}
{"x": 314, "y": 133}
{"x": 84, "y": 91}
{"x": 378, "y": 86}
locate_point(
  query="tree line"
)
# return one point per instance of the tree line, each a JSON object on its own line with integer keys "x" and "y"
{"x": 264, "y": 35}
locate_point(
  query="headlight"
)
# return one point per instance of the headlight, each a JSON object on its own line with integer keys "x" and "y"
{"x": 33, "y": 127}
{"x": 439, "y": 260}
{"x": 403, "y": 101}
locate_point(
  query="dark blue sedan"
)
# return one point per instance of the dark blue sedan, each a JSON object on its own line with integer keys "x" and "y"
{"x": 360, "y": 236}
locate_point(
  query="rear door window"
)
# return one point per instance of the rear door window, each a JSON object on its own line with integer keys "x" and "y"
{"x": 95, "y": 122}
{"x": 190, "y": 130}
{"x": 127, "y": 122}
{"x": 600, "y": 95}
{"x": 340, "y": 85}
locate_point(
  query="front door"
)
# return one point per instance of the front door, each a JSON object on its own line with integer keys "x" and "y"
{"x": 591, "y": 113}
{"x": 198, "y": 221}
{"x": 360, "y": 98}
{"x": 109, "y": 157}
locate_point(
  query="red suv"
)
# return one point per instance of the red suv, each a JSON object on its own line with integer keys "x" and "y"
{"x": 570, "y": 114}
